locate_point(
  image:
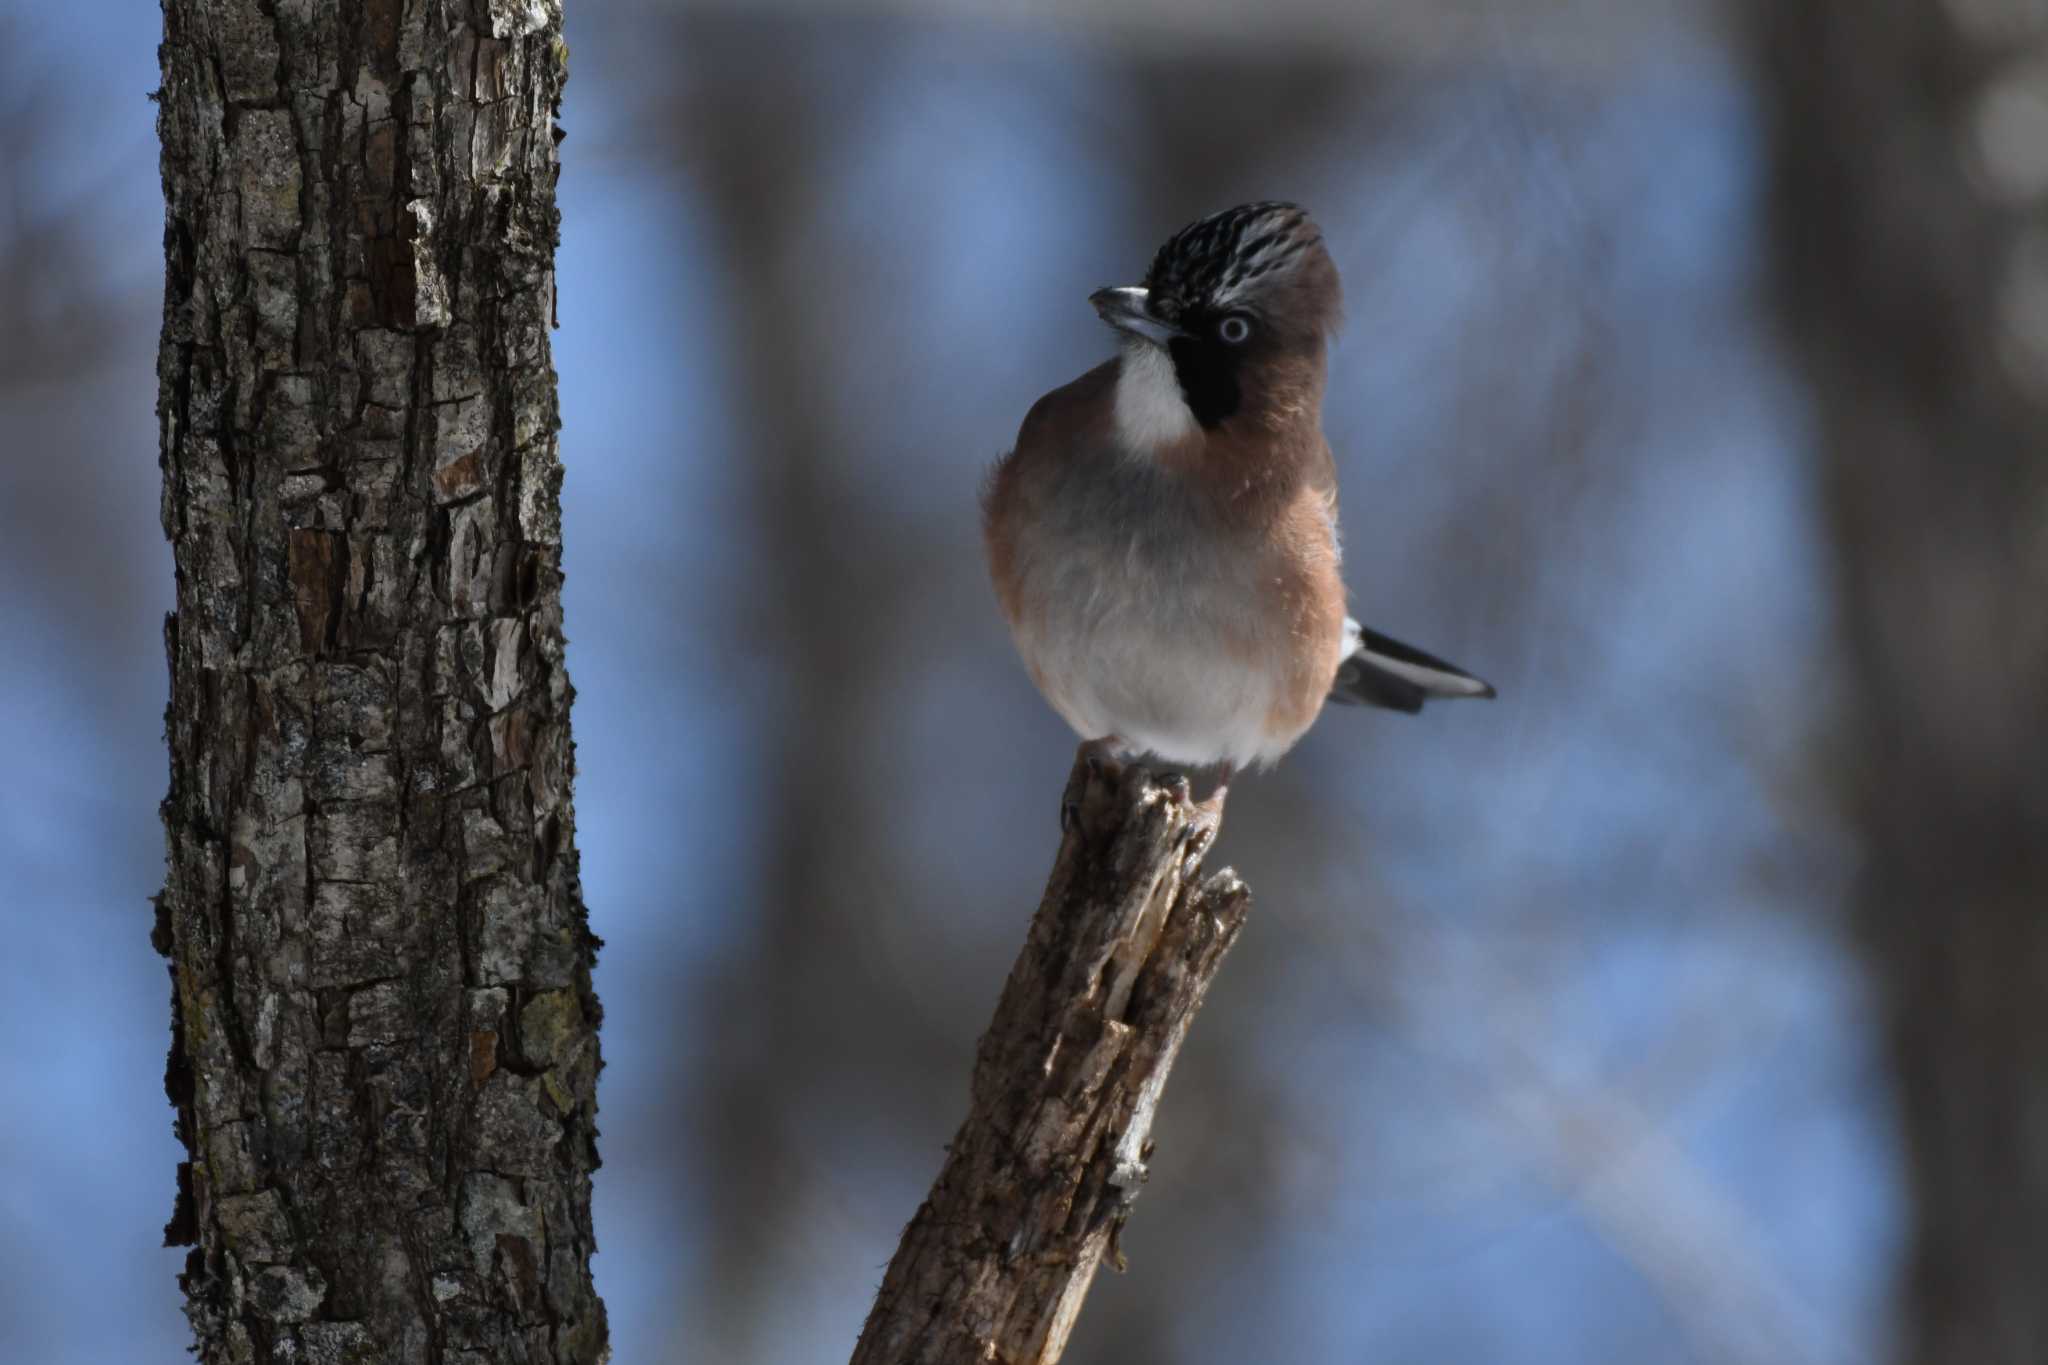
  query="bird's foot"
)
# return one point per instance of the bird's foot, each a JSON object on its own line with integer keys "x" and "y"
{"x": 1208, "y": 817}
{"x": 1102, "y": 758}
{"x": 1103, "y": 755}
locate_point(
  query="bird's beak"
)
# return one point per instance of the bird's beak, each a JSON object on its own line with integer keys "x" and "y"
{"x": 1129, "y": 310}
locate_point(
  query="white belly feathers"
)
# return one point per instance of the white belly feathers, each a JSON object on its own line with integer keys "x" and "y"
{"x": 1192, "y": 676}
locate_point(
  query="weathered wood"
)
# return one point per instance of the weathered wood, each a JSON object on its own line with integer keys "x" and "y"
{"x": 385, "y": 1040}
{"x": 1043, "y": 1173}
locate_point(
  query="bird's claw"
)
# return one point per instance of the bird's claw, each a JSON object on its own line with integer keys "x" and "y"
{"x": 1203, "y": 826}
{"x": 1099, "y": 761}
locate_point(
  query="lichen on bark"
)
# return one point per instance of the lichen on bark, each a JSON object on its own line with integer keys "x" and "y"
{"x": 384, "y": 1052}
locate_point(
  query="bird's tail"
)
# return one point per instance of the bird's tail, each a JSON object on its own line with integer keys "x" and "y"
{"x": 1378, "y": 671}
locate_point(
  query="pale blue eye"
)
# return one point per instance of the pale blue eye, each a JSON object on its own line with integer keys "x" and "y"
{"x": 1234, "y": 329}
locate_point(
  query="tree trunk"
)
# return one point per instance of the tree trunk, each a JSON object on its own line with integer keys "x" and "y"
{"x": 1914, "y": 271}
{"x": 384, "y": 1052}
{"x": 1042, "y": 1174}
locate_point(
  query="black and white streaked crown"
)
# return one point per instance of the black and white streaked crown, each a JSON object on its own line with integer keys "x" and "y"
{"x": 1217, "y": 259}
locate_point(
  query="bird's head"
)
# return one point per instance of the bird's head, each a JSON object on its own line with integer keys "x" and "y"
{"x": 1240, "y": 303}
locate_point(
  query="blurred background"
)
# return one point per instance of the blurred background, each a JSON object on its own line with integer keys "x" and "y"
{"x": 1565, "y": 1028}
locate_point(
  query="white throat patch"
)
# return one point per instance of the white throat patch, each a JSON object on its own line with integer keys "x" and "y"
{"x": 1150, "y": 412}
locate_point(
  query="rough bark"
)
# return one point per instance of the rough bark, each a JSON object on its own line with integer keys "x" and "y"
{"x": 1914, "y": 276}
{"x": 1042, "y": 1174}
{"x": 384, "y": 1052}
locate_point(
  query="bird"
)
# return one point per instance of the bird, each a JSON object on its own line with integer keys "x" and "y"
{"x": 1162, "y": 538}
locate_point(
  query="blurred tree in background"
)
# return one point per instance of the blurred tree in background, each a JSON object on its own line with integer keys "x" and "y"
{"x": 1911, "y": 221}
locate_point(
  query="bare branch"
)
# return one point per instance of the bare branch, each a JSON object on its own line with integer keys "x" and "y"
{"x": 1041, "y": 1176}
